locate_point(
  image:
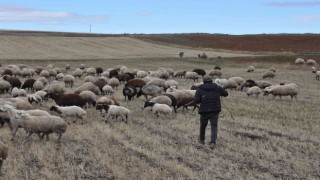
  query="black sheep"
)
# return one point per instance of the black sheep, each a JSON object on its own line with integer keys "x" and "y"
{"x": 100, "y": 83}
{"x": 7, "y": 72}
{"x": 67, "y": 99}
{"x": 113, "y": 73}
{"x": 137, "y": 82}
{"x": 185, "y": 102}
{"x": 99, "y": 70}
{"x": 129, "y": 91}
{"x": 217, "y": 67}
{"x": 200, "y": 72}
{"x": 28, "y": 84}
{"x": 173, "y": 101}
{"x": 15, "y": 82}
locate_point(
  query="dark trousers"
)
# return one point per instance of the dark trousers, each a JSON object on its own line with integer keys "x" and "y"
{"x": 204, "y": 118}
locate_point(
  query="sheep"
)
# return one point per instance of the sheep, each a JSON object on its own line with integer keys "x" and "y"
{"x": 5, "y": 86}
{"x": 282, "y": 90}
{"x": 100, "y": 83}
{"x": 15, "y": 82}
{"x": 161, "y": 99}
{"x": 158, "y": 109}
{"x": 154, "y": 74}
{"x": 43, "y": 80}
{"x": 215, "y": 72}
{"x": 28, "y": 84}
{"x": 69, "y": 80}
{"x": 238, "y": 80}
{"x": 164, "y": 75}
{"x": 200, "y": 72}
{"x": 42, "y": 124}
{"x": 99, "y": 70}
{"x": 89, "y": 86}
{"x": 141, "y": 74}
{"x": 170, "y": 71}
{"x": 39, "y": 69}
{"x": 34, "y": 98}
{"x": 68, "y": 67}
{"x": 123, "y": 69}
{"x": 231, "y": 84}
{"x": 89, "y": 97}
{"x": 220, "y": 82}
{"x": 91, "y": 71}
{"x": 69, "y": 111}
{"x": 114, "y": 83}
{"x": 299, "y": 61}
{"x": 217, "y": 67}
{"x": 149, "y": 89}
{"x": 67, "y": 99}
{"x": 44, "y": 73}
{"x": 251, "y": 69}
{"x": 179, "y": 73}
{"x": 7, "y": 72}
{"x": 181, "y": 94}
{"x": 113, "y": 73}
{"x": 107, "y": 100}
{"x": 317, "y": 75}
{"x": 3, "y": 153}
{"x": 273, "y": 69}
{"x": 50, "y": 66}
{"x": 185, "y": 102}
{"x": 136, "y": 82}
{"x": 77, "y": 73}
{"x": 60, "y": 76}
{"x": 311, "y": 62}
{"x": 116, "y": 111}
{"x": 171, "y": 83}
{"x": 268, "y": 74}
{"x": 82, "y": 66}
{"x": 55, "y": 88}
{"x": 196, "y": 86}
{"x": 26, "y": 73}
{"x": 251, "y": 83}
{"x": 18, "y": 92}
{"x": 41, "y": 94}
{"x": 135, "y": 71}
{"x": 15, "y": 123}
{"x": 107, "y": 90}
{"x": 129, "y": 91}
{"x": 192, "y": 76}
{"x": 254, "y": 90}
{"x": 158, "y": 82}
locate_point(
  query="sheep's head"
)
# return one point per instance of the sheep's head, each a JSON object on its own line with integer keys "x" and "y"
{"x": 148, "y": 103}
{"x": 102, "y": 107}
{"x": 21, "y": 115}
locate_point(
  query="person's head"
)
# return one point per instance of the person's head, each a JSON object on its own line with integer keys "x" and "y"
{"x": 207, "y": 79}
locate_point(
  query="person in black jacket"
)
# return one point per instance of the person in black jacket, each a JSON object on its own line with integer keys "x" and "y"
{"x": 208, "y": 96}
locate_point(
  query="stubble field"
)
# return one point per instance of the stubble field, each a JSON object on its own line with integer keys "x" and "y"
{"x": 267, "y": 138}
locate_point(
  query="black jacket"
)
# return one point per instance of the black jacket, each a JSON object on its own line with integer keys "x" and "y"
{"x": 208, "y": 95}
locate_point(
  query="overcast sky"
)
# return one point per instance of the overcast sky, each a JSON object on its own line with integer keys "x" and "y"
{"x": 163, "y": 16}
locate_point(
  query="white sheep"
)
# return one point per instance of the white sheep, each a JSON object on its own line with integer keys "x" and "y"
{"x": 69, "y": 111}
{"x": 38, "y": 85}
{"x": 299, "y": 61}
{"x": 43, "y": 80}
{"x": 171, "y": 83}
{"x": 215, "y": 72}
{"x": 311, "y": 62}
{"x": 69, "y": 80}
{"x": 158, "y": 82}
{"x": 141, "y": 74}
{"x": 91, "y": 71}
{"x": 114, "y": 83}
{"x": 273, "y": 69}
{"x": 41, "y": 94}
{"x": 60, "y": 76}
{"x": 317, "y": 75}
{"x": 192, "y": 76}
{"x": 89, "y": 97}
{"x": 55, "y": 88}
{"x": 179, "y": 73}
{"x": 89, "y": 86}
{"x": 181, "y": 94}
{"x": 221, "y": 82}
{"x": 107, "y": 90}
{"x": 251, "y": 69}
{"x": 89, "y": 79}
{"x": 77, "y": 73}
{"x": 4, "y": 86}
{"x": 34, "y": 98}
{"x": 231, "y": 84}
{"x": 164, "y": 109}
{"x": 268, "y": 74}
{"x": 282, "y": 90}
{"x": 115, "y": 111}
{"x": 255, "y": 90}
{"x": 44, "y": 73}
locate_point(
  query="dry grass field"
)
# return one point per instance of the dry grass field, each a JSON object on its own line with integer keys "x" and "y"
{"x": 267, "y": 139}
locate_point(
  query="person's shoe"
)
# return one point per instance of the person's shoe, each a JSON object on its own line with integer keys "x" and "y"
{"x": 212, "y": 146}
{"x": 201, "y": 142}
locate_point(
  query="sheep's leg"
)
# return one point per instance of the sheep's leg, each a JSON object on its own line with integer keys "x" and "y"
{"x": 14, "y": 132}
{"x": 194, "y": 108}
{"x": 28, "y": 136}
{"x": 59, "y": 136}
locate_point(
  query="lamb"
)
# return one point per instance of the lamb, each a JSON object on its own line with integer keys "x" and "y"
{"x": 116, "y": 111}
{"x": 18, "y": 92}
{"x": 69, "y": 80}
{"x": 67, "y": 99}
{"x": 28, "y": 84}
{"x": 299, "y": 61}
{"x": 88, "y": 86}
{"x": 251, "y": 69}
{"x": 129, "y": 91}
{"x": 42, "y": 124}
{"x": 15, "y": 123}
{"x": 200, "y": 72}
{"x": 192, "y": 76}
{"x": 141, "y": 74}
{"x": 5, "y": 86}
{"x": 107, "y": 90}
{"x": 69, "y": 111}
{"x": 282, "y": 90}
{"x": 311, "y": 62}
{"x": 3, "y": 153}
{"x": 89, "y": 97}
{"x": 158, "y": 109}
{"x": 55, "y": 88}
{"x": 254, "y": 90}
{"x": 215, "y": 72}
{"x": 114, "y": 83}
{"x": 268, "y": 74}
{"x": 149, "y": 89}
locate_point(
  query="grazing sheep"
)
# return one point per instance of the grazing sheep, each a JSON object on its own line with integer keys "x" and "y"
{"x": 113, "y": 73}
{"x": 116, "y": 111}
{"x": 77, "y": 73}
{"x": 217, "y": 67}
{"x": 67, "y": 99}
{"x": 149, "y": 89}
{"x": 89, "y": 97}
{"x": 180, "y": 73}
{"x": 42, "y": 124}
{"x": 299, "y": 61}
{"x": 7, "y": 72}
{"x": 231, "y": 84}
{"x": 186, "y": 102}
{"x": 38, "y": 69}
{"x": 282, "y": 90}
{"x": 107, "y": 90}
{"x": 311, "y": 62}
{"x": 99, "y": 70}
{"x": 68, "y": 67}
{"x": 158, "y": 109}
{"x": 161, "y": 99}
{"x": 88, "y": 86}
{"x": 181, "y": 94}
{"x": 114, "y": 83}
{"x": 5, "y": 86}
{"x": 238, "y": 80}
{"x": 200, "y": 72}
{"x": 136, "y": 82}
{"x": 18, "y": 92}
{"x": 221, "y": 82}
{"x": 43, "y": 80}
{"x": 41, "y": 94}
{"x": 34, "y": 98}
{"x": 45, "y": 73}
{"x": 108, "y": 100}
{"x": 28, "y": 84}
{"x": 255, "y": 90}
{"x": 158, "y": 82}
{"x": 100, "y": 83}
{"x": 317, "y": 75}
{"x": 164, "y": 74}
{"x": 69, "y": 80}
{"x": 26, "y": 73}
{"x": 70, "y": 111}
{"x": 55, "y": 88}
{"x": 129, "y": 91}
{"x": 141, "y": 74}
{"x": 196, "y": 86}
{"x": 89, "y": 79}
{"x": 215, "y": 72}
{"x": 273, "y": 69}
{"x": 171, "y": 83}
{"x": 170, "y": 71}
{"x": 60, "y": 77}
{"x": 82, "y": 66}
{"x": 154, "y": 73}
{"x": 192, "y": 76}
{"x": 268, "y": 74}
{"x": 91, "y": 71}
{"x": 15, "y": 82}
{"x": 251, "y": 83}
{"x": 251, "y": 69}
{"x": 3, "y": 153}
